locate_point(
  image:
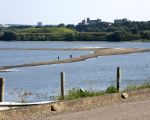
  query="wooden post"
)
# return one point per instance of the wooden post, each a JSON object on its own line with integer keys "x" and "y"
{"x": 62, "y": 84}
{"x": 2, "y": 89}
{"x": 118, "y": 78}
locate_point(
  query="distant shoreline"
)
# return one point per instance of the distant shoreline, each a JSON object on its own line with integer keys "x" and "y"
{"x": 130, "y": 41}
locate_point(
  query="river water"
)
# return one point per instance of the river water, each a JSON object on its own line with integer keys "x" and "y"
{"x": 43, "y": 82}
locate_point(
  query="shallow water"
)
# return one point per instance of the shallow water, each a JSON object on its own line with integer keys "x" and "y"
{"x": 92, "y": 74}
{"x": 61, "y": 44}
{"x": 13, "y": 57}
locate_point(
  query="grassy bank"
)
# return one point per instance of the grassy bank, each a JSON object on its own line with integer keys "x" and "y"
{"x": 23, "y": 96}
{"x": 80, "y": 93}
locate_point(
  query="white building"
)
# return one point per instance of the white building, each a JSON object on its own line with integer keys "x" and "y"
{"x": 90, "y": 22}
{"x": 120, "y": 21}
{"x": 4, "y": 25}
{"x": 1, "y": 25}
{"x": 39, "y": 24}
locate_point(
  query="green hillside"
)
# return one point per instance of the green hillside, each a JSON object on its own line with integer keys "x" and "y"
{"x": 46, "y": 30}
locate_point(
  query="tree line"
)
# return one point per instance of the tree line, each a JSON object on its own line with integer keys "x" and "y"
{"x": 126, "y": 31}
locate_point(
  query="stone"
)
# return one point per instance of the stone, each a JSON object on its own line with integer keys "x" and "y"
{"x": 57, "y": 107}
{"x": 124, "y": 95}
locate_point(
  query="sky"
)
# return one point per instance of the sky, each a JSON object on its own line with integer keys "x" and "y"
{"x": 71, "y": 11}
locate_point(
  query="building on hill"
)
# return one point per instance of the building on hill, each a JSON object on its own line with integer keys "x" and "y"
{"x": 120, "y": 21}
{"x": 90, "y": 22}
{"x": 39, "y": 24}
{"x": 12, "y": 25}
{"x": 4, "y": 25}
{"x": 1, "y": 25}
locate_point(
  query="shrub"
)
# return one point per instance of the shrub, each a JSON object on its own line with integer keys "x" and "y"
{"x": 111, "y": 89}
{"x": 8, "y": 35}
{"x": 80, "y": 93}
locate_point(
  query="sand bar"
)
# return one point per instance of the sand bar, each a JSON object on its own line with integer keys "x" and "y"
{"x": 96, "y": 52}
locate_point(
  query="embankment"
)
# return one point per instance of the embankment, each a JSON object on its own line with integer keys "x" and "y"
{"x": 60, "y": 107}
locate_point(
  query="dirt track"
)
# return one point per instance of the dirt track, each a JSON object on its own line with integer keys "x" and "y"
{"x": 125, "y": 111}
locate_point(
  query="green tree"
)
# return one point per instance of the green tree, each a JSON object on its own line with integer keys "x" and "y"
{"x": 7, "y": 35}
{"x": 146, "y": 35}
{"x": 116, "y": 36}
{"x": 71, "y": 26}
{"x": 61, "y": 25}
{"x": 69, "y": 37}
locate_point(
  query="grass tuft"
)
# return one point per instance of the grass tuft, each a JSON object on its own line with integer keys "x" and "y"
{"x": 80, "y": 93}
{"x": 111, "y": 89}
{"x": 136, "y": 87}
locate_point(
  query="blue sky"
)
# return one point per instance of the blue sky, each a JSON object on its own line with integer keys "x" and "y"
{"x": 71, "y": 11}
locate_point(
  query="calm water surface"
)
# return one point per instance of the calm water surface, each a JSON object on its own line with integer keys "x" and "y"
{"x": 13, "y": 57}
{"x": 51, "y": 44}
{"x": 92, "y": 74}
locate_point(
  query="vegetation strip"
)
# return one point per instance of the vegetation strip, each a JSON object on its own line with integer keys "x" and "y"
{"x": 124, "y": 30}
{"x": 97, "y": 52}
{"x": 80, "y": 93}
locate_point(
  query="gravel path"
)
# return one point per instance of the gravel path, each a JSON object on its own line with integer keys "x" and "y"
{"x": 126, "y": 111}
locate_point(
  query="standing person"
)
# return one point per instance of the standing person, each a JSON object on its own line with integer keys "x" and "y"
{"x": 70, "y": 56}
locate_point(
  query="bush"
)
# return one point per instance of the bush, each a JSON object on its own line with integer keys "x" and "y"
{"x": 80, "y": 93}
{"x": 111, "y": 89}
{"x": 7, "y": 35}
{"x": 145, "y": 85}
